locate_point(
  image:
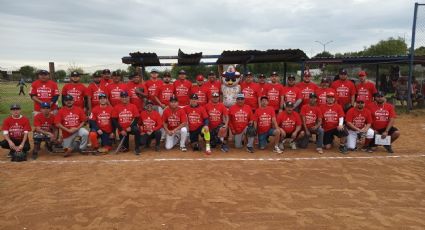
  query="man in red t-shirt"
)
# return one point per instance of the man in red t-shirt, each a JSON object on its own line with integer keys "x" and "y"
{"x": 44, "y": 130}
{"x": 115, "y": 88}
{"x": 100, "y": 121}
{"x": 383, "y": 118}
{"x": 345, "y": 90}
{"x": 212, "y": 86}
{"x": 251, "y": 91}
{"x": 93, "y": 90}
{"x": 44, "y": 90}
{"x": 274, "y": 91}
{"x": 106, "y": 78}
{"x": 199, "y": 90}
{"x": 240, "y": 117}
{"x": 218, "y": 117}
{"x": 306, "y": 87}
{"x": 182, "y": 87}
{"x": 15, "y": 132}
{"x": 333, "y": 123}
{"x": 71, "y": 121}
{"x": 311, "y": 117}
{"x": 358, "y": 120}
{"x": 263, "y": 84}
{"x": 153, "y": 84}
{"x": 266, "y": 125}
{"x": 77, "y": 90}
{"x": 125, "y": 118}
{"x": 164, "y": 93}
{"x": 292, "y": 93}
{"x": 365, "y": 89}
{"x": 289, "y": 123}
{"x": 137, "y": 92}
{"x": 150, "y": 126}
{"x": 323, "y": 90}
{"x": 175, "y": 125}
{"x": 197, "y": 120}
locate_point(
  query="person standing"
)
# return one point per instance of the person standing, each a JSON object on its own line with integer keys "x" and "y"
{"x": 345, "y": 90}
{"x": 199, "y": 90}
{"x": 251, "y": 91}
{"x": 94, "y": 89}
{"x": 291, "y": 93}
{"x": 44, "y": 90}
{"x": 323, "y": 90}
{"x": 115, "y": 88}
{"x": 137, "y": 92}
{"x": 77, "y": 90}
{"x": 183, "y": 88}
{"x": 212, "y": 86}
{"x": 274, "y": 92}
{"x": 306, "y": 87}
{"x": 365, "y": 89}
{"x": 153, "y": 84}
{"x": 164, "y": 93}
{"x": 21, "y": 85}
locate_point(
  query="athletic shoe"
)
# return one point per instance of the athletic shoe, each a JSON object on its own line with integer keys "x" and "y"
{"x": 183, "y": 149}
{"x": 157, "y": 148}
{"x": 34, "y": 155}
{"x": 319, "y": 150}
{"x": 277, "y": 150}
{"x": 369, "y": 150}
{"x": 49, "y": 146}
{"x": 196, "y": 147}
{"x": 389, "y": 148}
{"x": 68, "y": 152}
{"x": 224, "y": 148}
{"x": 293, "y": 145}
{"x": 137, "y": 151}
{"x": 250, "y": 149}
{"x": 208, "y": 149}
{"x": 343, "y": 149}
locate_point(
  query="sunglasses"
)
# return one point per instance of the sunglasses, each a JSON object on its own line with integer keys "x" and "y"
{"x": 15, "y": 109}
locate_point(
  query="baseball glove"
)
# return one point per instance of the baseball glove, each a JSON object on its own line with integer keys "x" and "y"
{"x": 139, "y": 92}
{"x": 251, "y": 131}
{"x": 19, "y": 156}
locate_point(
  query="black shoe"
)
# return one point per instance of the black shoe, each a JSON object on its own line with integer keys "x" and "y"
{"x": 34, "y": 155}
{"x": 49, "y": 147}
{"x": 389, "y": 148}
{"x": 250, "y": 149}
{"x": 157, "y": 148}
{"x": 196, "y": 147}
{"x": 137, "y": 151}
{"x": 343, "y": 149}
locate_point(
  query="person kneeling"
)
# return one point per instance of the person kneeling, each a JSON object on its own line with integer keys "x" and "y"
{"x": 289, "y": 123}
{"x": 175, "y": 121}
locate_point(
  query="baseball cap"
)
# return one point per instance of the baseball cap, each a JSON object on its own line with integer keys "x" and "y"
{"x": 43, "y": 72}
{"x": 199, "y": 77}
{"x": 167, "y": 74}
{"x": 96, "y": 74}
{"x": 173, "y": 98}
{"x": 45, "y": 105}
{"x": 211, "y": 73}
{"x": 182, "y": 71}
{"x": 248, "y": 74}
{"x": 362, "y": 74}
{"x": 379, "y": 94}
{"x": 68, "y": 97}
{"x": 75, "y": 74}
{"x": 102, "y": 95}
{"x": 240, "y": 96}
{"x": 330, "y": 94}
{"x": 149, "y": 102}
{"x": 262, "y": 76}
{"x": 264, "y": 97}
{"x": 274, "y": 73}
{"x": 15, "y": 106}
{"x": 289, "y": 104}
{"x": 194, "y": 96}
{"x": 215, "y": 94}
{"x": 312, "y": 95}
{"x": 123, "y": 94}
{"x": 291, "y": 76}
{"x": 154, "y": 71}
{"x": 325, "y": 79}
{"x": 106, "y": 71}
{"x": 343, "y": 71}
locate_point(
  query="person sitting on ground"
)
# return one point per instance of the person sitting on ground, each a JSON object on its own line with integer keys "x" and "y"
{"x": 15, "y": 132}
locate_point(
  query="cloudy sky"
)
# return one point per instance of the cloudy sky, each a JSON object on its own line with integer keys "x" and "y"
{"x": 95, "y": 34}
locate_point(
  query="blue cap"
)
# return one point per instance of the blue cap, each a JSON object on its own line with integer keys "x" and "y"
{"x": 240, "y": 96}
{"x": 45, "y": 105}
{"x": 68, "y": 97}
{"x": 123, "y": 94}
{"x": 102, "y": 95}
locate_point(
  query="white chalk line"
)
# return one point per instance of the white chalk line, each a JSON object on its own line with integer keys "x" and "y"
{"x": 220, "y": 159}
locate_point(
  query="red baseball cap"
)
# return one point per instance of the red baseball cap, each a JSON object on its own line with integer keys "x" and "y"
{"x": 330, "y": 94}
{"x": 362, "y": 73}
{"x": 200, "y": 77}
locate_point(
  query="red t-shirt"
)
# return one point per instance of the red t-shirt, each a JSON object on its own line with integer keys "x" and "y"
{"x": 125, "y": 114}
{"x": 344, "y": 91}
{"x": 365, "y": 91}
{"x": 239, "y": 117}
{"x": 331, "y": 115}
{"x": 134, "y": 99}
{"x": 216, "y": 112}
{"x": 114, "y": 90}
{"x": 251, "y": 91}
{"x": 165, "y": 92}
{"x": 263, "y": 87}
{"x": 381, "y": 115}
{"x": 263, "y": 117}
{"x": 70, "y": 118}
{"x": 321, "y": 95}
{"x": 45, "y": 123}
{"x": 274, "y": 92}
{"x": 16, "y": 127}
{"x": 291, "y": 94}
{"x": 174, "y": 118}
{"x": 153, "y": 86}
{"x": 311, "y": 114}
{"x": 45, "y": 91}
{"x": 93, "y": 91}
{"x": 359, "y": 118}
{"x": 150, "y": 121}
{"x": 201, "y": 92}
{"x": 306, "y": 89}
{"x": 195, "y": 116}
{"x": 182, "y": 88}
{"x": 102, "y": 115}
{"x": 105, "y": 82}
{"x": 288, "y": 122}
{"x": 77, "y": 91}
{"x": 210, "y": 88}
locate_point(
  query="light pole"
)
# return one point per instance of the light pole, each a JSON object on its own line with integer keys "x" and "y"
{"x": 324, "y": 44}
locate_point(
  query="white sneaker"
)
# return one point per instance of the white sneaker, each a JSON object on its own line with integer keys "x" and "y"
{"x": 293, "y": 145}
{"x": 277, "y": 149}
{"x": 282, "y": 145}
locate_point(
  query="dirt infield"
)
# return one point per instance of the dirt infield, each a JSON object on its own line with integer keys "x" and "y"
{"x": 173, "y": 190}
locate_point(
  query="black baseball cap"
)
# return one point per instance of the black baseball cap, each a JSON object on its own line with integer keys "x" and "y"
{"x": 248, "y": 73}
{"x": 75, "y": 74}
{"x": 291, "y": 76}
{"x": 96, "y": 74}
{"x": 289, "y": 104}
{"x": 173, "y": 98}
{"x": 312, "y": 95}
{"x": 343, "y": 72}
{"x": 264, "y": 97}
{"x": 325, "y": 79}
{"x": 149, "y": 102}
{"x": 45, "y": 105}
{"x": 123, "y": 94}
{"x": 154, "y": 71}
{"x": 274, "y": 73}
{"x": 194, "y": 97}
{"x": 15, "y": 107}
{"x": 106, "y": 71}
{"x": 102, "y": 95}
{"x": 43, "y": 72}
{"x": 379, "y": 94}
{"x": 182, "y": 71}
{"x": 167, "y": 74}
{"x": 262, "y": 76}
{"x": 68, "y": 97}
{"x": 211, "y": 73}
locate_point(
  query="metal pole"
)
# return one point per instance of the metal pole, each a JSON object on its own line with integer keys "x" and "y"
{"x": 285, "y": 69}
{"x": 412, "y": 56}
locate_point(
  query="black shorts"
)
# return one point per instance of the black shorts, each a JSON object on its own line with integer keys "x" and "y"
{"x": 380, "y": 131}
{"x": 328, "y": 137}
{"x": 194, "y": 135}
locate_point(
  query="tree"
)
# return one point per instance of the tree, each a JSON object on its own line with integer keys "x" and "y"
{"x": 391, "y": 46}
{"x": 27, "y": 71}
{"x": 324, "y": 54}
{"x": 420, "y": 51}
{"x": 60, "y": 74}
